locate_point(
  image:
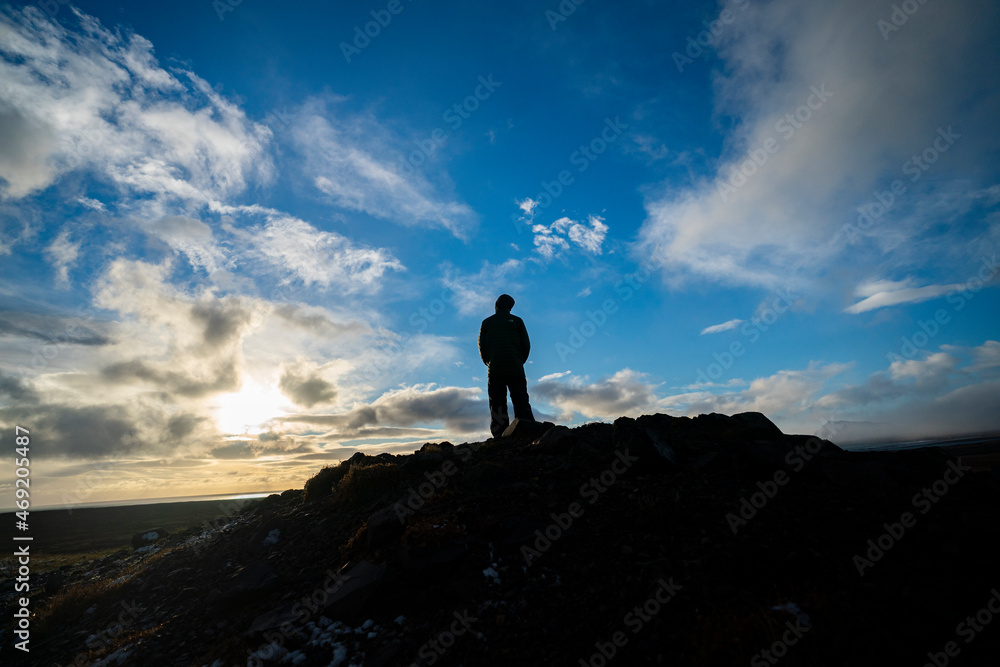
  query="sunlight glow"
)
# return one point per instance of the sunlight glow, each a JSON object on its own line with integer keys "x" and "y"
{"x": 247, "y": 410}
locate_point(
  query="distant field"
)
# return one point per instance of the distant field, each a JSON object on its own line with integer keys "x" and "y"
{"x": 83, "y": 530}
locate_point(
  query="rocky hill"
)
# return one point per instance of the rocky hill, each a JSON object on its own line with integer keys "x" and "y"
{"x": 714, "y": 540}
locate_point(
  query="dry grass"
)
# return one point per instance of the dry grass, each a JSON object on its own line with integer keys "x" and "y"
{"x": 321, "y": 484}
{"x": 66, "y": 606}
{"x": 364, "y": 484}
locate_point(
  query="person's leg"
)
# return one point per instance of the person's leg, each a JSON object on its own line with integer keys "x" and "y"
{"x": 519, "y": 397}
{"x": 496, "y": 389}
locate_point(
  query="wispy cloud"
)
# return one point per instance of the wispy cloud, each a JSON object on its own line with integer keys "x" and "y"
{"x": 826, "y": 113}
{"x": 316, "y": 257}
{"x": 476, "y": 293}
{"x": 354, "y": 161}
{"x": 719, "y": 328}
{"x": 882, "y": 293}
{"x": 98, "y": 101}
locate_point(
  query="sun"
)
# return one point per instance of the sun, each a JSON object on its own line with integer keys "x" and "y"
{"x": 247, "y": 410}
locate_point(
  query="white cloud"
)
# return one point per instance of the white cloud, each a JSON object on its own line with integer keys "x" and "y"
{"x": 475, "y": 294}
{"x": 353, "y": 160}
{"x": 316, "y": 257}
{"x": 786, "y": 397}
{"x": 945, "y": 392}
{"x": 190, "y": 237}
{"x": 719, "y": 328}
{"x": 98, "y": 100}
{"x": 625, "y": 392}
{"x": 527, "y": 206}
{"x": 550, "y": 240}
{"x": 63, "y": 252}
{"x": 459, "y": 409}
{"x": 883, "y": 293}
{"x": 873, "y": 105}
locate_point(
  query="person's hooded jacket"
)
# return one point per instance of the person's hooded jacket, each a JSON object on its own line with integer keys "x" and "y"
{"x": 503, "y": 342}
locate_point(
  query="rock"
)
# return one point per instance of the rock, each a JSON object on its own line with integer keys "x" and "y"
{"x": 556, "y": 440}
{"x": 433, "y": 560}
{"x": 385, "y": 526}
{"x": 867, "y": 476}
{"x": 486, "y": 476}
{"x": 354, "y": 586}
{"x": 524, "y": 428}
{"x": 252, "y": 580}
{"x": 646, "y": 443}
{"x": 147, "y": 538}
{"x": 742, "y": 426}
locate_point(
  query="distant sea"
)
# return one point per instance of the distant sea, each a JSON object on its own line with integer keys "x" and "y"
{"x": 986, "y": 441}
{"x": 157, "y": 501}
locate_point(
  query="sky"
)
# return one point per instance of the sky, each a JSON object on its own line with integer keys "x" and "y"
{"x": 243, "y": 240}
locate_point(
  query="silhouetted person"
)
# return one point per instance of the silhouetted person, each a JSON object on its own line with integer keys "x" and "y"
{"x": 504, "y": 347}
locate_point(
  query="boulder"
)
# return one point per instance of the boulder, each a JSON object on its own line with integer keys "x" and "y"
{"x": 556, "y": 440}
{"x": 385, "y": 526}
{"x": 646, "y": 443}
{"x": 525, "y": 428}
{"x": 251, "y": 581}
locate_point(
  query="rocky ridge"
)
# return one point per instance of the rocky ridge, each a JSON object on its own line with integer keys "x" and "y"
{"x": 712, "y": 540}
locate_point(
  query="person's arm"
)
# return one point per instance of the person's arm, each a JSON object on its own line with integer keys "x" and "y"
{"x": 525, "y": 342}
{"x": 484, "y": 343}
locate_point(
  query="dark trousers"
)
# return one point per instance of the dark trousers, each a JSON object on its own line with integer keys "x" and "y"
{"x": 497, "y": 387}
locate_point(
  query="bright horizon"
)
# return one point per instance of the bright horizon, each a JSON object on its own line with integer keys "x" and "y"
{"x": 240, "y": 242}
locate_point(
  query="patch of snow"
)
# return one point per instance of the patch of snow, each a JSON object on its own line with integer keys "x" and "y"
{"x": 400, "y": 620}
{"x": 272, "y": 537}
{"x": 339, "y": 655}
{"x": 491, "y": 573}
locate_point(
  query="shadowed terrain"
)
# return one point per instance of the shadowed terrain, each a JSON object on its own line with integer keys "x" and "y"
{"x": 716, "y": 540}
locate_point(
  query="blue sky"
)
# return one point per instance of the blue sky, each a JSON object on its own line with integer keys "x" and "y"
{"x": 239, "y": 241}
